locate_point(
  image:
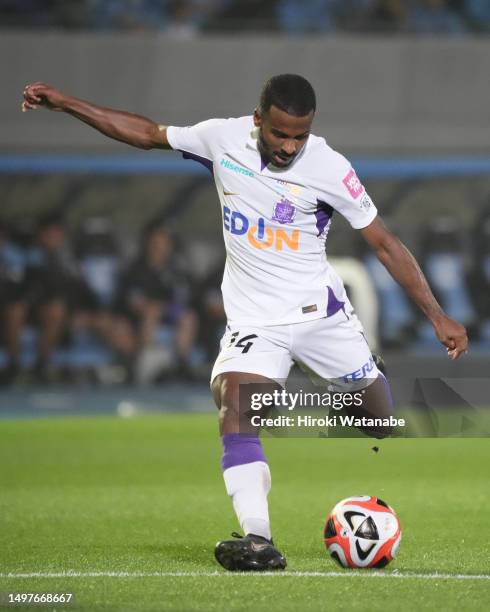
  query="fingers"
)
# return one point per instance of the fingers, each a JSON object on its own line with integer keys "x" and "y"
{"x": 454, "y": 337}
{"x": 32, "y": 96}
{"x": 456, "y": 348}
{"x": 455, "y": 353}
{"x": 32, "y": 99}
{"x": 26, "y": 106}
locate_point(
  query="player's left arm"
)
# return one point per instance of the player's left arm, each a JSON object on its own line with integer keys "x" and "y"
{"x": 403, "y": 267}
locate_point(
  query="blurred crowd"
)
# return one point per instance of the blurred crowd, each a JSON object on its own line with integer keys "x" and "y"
{"x": 75, "y": 307}
{"x": 187, "y": 18}
{"x": 456, "y": 262}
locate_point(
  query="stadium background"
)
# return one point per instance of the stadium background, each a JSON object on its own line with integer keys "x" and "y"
{"x": 410, "y": 110}
{"x": 402, "y": 90}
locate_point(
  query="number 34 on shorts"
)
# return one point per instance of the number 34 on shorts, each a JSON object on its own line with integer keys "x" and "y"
{"x": 255, "y": 350}
{"x": 244, "y": 343}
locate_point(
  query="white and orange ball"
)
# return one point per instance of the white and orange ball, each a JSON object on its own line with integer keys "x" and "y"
{"x": 362, "y": 532}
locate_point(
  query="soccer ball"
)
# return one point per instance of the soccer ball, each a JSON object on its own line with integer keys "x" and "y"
{"x": 362, "y": 532}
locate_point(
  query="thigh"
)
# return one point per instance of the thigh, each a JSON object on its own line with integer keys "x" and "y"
{"x": 334, "y": 349}
{"x": 264, "y": 351}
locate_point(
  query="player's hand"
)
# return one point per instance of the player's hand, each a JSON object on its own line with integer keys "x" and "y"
{"x": 453, "y": 335}
{"x": 40, "y": 94}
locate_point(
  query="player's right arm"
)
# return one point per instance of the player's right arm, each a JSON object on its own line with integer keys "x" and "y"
{"x": 129, "y": 128}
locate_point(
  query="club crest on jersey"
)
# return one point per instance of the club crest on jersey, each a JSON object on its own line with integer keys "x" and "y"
{"x": 284, "y": 211}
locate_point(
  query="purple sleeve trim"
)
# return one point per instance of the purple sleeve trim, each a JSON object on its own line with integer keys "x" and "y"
{"x": 323, "y": 214}
{"x": 207, "y": 163}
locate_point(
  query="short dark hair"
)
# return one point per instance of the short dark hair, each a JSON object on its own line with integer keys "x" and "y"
{"x": 291, "y": 93}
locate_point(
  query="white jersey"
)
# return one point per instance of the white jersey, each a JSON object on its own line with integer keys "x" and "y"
{"x": 276, "y": 221}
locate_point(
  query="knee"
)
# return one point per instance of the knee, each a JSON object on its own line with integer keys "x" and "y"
{"x": 226, "y": 400}
{"x": 229, "y": 418}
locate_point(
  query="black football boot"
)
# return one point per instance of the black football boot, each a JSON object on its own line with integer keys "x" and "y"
{"x": 250, "y": 553}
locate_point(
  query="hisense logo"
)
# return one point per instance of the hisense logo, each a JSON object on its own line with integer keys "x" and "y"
{"x": 226, "y": 163}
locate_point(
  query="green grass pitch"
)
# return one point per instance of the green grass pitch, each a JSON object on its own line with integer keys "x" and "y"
{"x": 145, "y": 497}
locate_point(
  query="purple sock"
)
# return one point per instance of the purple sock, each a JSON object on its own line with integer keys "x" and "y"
{"x": 239, "y": 449}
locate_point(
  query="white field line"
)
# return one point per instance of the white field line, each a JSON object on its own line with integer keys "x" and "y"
{"x": 346, "y": 574}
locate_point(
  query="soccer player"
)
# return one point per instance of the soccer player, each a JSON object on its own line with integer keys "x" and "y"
{"x": 278, "y": 186}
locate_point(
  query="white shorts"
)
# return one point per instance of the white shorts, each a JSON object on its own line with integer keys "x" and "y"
{"x": 328, "y": 349}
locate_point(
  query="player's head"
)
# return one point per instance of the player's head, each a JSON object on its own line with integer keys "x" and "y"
{"x": 284, "y": 116}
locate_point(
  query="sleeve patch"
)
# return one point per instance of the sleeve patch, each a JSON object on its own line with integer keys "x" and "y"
{"x": 353, "y": 184}
{"x": 366, "y": 202}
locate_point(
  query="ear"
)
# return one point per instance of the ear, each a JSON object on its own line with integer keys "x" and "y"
{"x": 257, "y": 118}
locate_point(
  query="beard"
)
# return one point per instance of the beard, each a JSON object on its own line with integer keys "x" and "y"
{"x": 268, "y": 157}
